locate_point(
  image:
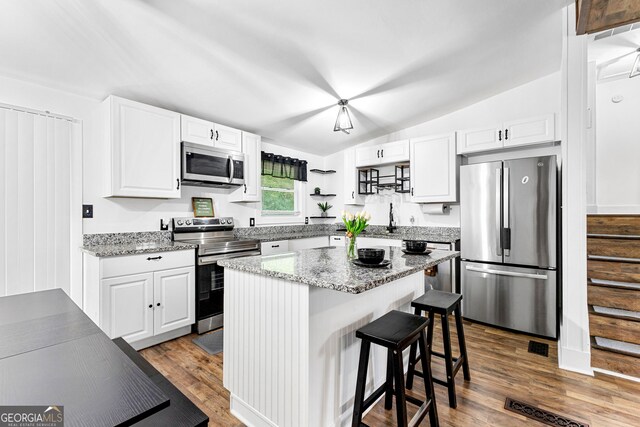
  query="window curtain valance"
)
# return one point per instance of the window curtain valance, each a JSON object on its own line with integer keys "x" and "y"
{"x": 284, "y": 167}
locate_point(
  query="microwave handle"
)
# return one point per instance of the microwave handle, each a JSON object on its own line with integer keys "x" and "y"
{"x": 231, "y": 169}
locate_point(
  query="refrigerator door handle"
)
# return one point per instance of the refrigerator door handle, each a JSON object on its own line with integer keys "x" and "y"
{"x": 498, "y": 213}
{"x": 506, "y": 232}
{"x": 506, "y": 273}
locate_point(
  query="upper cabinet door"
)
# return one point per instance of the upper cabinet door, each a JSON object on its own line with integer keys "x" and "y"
{"x": 394, "y": 152}
{"x": 144, "y": 143}
{"x": 533, "y": 130}
{"x": 367, "y": 156}
{"x": 196, "y": 130}
{"x": 250, "y": 191}
{"x": 174, "y": 299}
{"x": 351, "y": 196}
{"x": 434, "y": 169}
{"x": 227, "y": 138}
{"x": 480, "y": 139}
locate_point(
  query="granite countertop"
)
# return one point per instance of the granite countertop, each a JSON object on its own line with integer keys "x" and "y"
{"x": 117, "y": 249}
{"x": 329, "y": 268}
{"x": 401, "y": 235}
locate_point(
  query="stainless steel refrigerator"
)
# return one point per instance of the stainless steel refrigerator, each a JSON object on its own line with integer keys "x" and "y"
{"x": 508, "y": 229}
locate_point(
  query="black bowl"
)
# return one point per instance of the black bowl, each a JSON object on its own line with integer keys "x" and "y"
{"x": 416, "y": 245}
{"x": 371, "y": 255}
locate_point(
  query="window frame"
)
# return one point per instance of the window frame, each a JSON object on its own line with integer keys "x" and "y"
{"x": 279, "y": 217}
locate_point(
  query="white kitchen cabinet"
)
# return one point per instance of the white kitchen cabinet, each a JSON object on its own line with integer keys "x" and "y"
{"x": 196, "y": 130}
{"x": 127, "y": 306}
{"x": 204, "y": 132}
{"x": 368, "y": 242}
{"x": 337, "y": 240}
{"x": 533, "y": 130}
{"x": 351, "y": 196}
{"x": 227, "y": 138}
{"x": 391, "y": 152}
{"x": 479, "y": 139}
{"x": 173, "y": 297}
{"x": 514, "y": 133}
{"x": 146, "y": 298}
{"x": 142, "y": 149}
{"x": 251, "y": 190}
{"x": 434, "y": 169}
{"x": 308, "y": 243}
{"x": 275, "y": 247}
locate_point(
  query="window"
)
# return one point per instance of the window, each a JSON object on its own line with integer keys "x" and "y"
{"x": 279, "y": 196}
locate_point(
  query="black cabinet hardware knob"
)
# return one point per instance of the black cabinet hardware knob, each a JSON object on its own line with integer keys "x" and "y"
{"x": 211, "y": 133}
{"x": 352, "y": 194}
{"x": 499, "y": 135}
{"x": 158, "y": 304}
{"x": 153, "y": 258}
{"x": 245, "y": 188}
{"x": 506, "y": 134}
{"x": 378, "y": 153}
{"x": 178, "y": 183}
{"x": 217, "y": 135}
{"x": 275, "y": 246}
{"x": 150, "y": 305}
{"x": 382, "y": 153}
{"x": 412, "y": 191}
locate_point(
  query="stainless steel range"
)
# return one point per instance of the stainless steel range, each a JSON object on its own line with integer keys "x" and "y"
{"x": 215, "y": 240}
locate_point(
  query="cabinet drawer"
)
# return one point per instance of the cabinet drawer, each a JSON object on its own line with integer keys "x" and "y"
{"x": 616, "y": 362}
{"x": 142, "y": 263}
{"x": 614, "y": 328}
{"x": 276, "y": 247}
{"x": 614, "y": 248}
{"x": 621, "y": 298}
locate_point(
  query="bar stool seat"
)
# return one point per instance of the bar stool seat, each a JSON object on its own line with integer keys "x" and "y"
{"x": 442, "y": 303}
{"x": 395, "y": 331}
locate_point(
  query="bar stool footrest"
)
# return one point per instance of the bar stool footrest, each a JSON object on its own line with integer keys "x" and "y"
{"x": 373, "y": 397}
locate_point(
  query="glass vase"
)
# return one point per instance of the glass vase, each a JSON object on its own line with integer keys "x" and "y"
{"x": 352, "y": 248}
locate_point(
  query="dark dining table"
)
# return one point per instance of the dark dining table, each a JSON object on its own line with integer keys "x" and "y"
{"x": 51, "y": 353}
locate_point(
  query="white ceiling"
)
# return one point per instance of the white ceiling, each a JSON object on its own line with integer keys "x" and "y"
{"x": 278, "y": 68}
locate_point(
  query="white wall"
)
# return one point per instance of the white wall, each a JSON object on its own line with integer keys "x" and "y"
{"x": 617, "y": 147}
{"x": 535, "y": 98}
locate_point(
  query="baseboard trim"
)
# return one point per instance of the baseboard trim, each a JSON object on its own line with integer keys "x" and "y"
{"x": 246, "y": 414}
{"x": 617, "y": 374}
{"x": 575, "y": 360}
{"x": 157, "y": 339}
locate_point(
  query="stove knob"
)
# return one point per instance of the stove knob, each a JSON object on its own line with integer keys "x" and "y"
{"x": 222, "y": 221}
{"x": 230, "y": 221}
{"x": 188, "y": 222}
{"x": 179, "y": 222}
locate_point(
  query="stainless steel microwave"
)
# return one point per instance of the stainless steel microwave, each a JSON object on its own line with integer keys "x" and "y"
{"x": 208, "y": 166}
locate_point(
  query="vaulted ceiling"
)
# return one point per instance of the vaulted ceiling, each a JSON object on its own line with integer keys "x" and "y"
{"x": 278, "y": 68}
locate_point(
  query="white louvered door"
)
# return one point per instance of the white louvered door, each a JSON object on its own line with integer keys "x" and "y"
{"x": 40, "y": 181}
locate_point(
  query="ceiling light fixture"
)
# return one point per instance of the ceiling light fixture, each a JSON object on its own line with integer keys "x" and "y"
{"x": 635, "y": 70}
{"x": 343, "y": 121}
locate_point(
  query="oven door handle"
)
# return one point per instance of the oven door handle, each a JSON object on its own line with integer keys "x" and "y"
{"x": 204, "y": 260}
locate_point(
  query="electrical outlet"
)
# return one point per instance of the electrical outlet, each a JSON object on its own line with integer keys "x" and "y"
{"x": 252, "y": 222}
{"x": 87, "y": 211}
{"x": 306, "y": 220}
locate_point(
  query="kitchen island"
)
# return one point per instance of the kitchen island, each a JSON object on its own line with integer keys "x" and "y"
{"x": 290, "y": 352}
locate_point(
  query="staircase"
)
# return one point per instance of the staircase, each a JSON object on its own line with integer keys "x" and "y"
{"x": 613, "y": 280}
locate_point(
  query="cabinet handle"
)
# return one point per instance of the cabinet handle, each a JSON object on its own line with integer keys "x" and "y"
{"x": 336, "y": 238}
{"x": 245, "y": 188}
{"x": 178, "y": 183}
{"x": 275, "y": 246}
{"x": 353, "y": 195}
{"x": 150, "y": 305}
{"x": 506, "y": 134}
{"x": 217, "y": 135}
{"x": 378, "y": 154}
{"x": 158, "y": 304}
{"x": 499, "y": 135}
{"x": 412, "y": 191}
{"x": 211, "y": 133}
{"x": 382, "y": 153}
{"x": 154, "y": 258}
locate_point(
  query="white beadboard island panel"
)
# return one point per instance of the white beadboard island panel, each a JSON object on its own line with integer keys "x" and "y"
{"x": 291, "y": 354}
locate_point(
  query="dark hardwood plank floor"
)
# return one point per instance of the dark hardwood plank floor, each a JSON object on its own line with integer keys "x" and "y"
{"x": 500, "y": 367}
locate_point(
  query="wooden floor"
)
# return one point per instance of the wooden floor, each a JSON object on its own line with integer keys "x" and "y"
{"x": 500, "y": 367}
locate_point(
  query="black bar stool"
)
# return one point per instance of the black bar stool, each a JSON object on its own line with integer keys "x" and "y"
{"x": 396, "y": 331}
{"x": 442, "y": 303}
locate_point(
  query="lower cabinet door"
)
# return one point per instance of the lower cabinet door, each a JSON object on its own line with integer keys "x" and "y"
{"x": 127, "y": 306}
{"x": 174, "y": 299}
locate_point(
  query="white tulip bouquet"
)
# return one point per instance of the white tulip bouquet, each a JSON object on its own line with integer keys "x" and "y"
{"x": 354, "y": 223}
